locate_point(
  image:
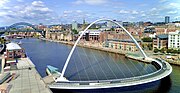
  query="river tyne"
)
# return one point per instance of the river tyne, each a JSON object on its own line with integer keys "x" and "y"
{"x": 43, "y": 53}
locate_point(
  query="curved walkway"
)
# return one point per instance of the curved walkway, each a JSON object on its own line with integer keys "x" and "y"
{"x": 165, "y": 70}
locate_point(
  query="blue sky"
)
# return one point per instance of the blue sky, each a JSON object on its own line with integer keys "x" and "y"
{"x": 66, "y": 11}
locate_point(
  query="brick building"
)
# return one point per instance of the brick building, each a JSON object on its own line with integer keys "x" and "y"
{"x": 124, "y": 45}
{"x": 161, "y": 41}
{"x": 13, "y": 50}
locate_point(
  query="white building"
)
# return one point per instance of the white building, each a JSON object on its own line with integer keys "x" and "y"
{"x": 174, "y": 40}
{"x": 177, "y": 24}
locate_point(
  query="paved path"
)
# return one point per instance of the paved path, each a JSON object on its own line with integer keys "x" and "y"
{"x": 29, "y": 80}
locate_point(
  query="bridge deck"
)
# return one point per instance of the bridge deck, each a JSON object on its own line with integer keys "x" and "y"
{"x": 163, "y": 72}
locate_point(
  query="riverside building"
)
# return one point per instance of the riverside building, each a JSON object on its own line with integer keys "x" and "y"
{"x": 174, "y": 40}
{"x": 121, "y": 44}
{"x": 13, "y": 51}
{"x": 91, "y": 35}
{"x": 161, "y": 41}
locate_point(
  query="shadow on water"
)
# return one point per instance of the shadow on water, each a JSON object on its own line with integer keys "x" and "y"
{"x": 131, "y": 89}
{"x": 165, "y": 85}
{"x": 161, "y": 86}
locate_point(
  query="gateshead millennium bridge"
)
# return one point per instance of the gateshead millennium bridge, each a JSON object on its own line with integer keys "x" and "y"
{"x": 164, "y": 69}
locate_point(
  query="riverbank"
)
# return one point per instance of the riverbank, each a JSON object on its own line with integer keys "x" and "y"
{"x": 87, "y": 45}
{"x": 99, "y": 47}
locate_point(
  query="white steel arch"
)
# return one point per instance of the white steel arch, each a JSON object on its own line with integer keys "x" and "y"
{"x": 61, "y": 78}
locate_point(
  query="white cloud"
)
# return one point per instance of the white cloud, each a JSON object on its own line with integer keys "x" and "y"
{"x": 67, "y": 11}
{"x": 172, "y": 12}
{"x": 3, "y": 13}
{"x": 132, "y": 17}
{"x": 78, "y": 11}
{"x": 134, "y": 12}
{"x": 174, "y": 5}
{"x": 128, "y": 12}
{"x": 91, "y": 2}
{"x": 78, "y": 2}
{"x": 44, "y": 9}
{"x": 69, "y": 15}
{"x": 123, "y": 12}
{"x": 34, "y": 12}
{"x": 38, "y": 3}
{"x": 153, "y": 9}
{"x": 95, "y": 2}
{"x": 143, "y": 15}
{"x": 36, "y": 7}
{"x": 3, "y": 2}
{"x": 72, "y": 12}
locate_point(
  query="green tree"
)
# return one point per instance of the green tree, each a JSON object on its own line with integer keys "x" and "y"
{"x": 163, "y": 50}
{"x": 169, "y": 50}
{"x": 11, "y": 33}
{"x": 74, "y": 31}
{"x": 143, "y": 46}
{"x": 112, "y": 29}
{"x": 13, "y": 28}
{"x": 150, "y": 46}
{"x": 147, "y": 39}
{"x": 6, "y": 33}
{"x": 175, "y": 51}
{"x": 178, "y": 51}
{"x": 2, "y": 40}
{"x": 156, "y": 50}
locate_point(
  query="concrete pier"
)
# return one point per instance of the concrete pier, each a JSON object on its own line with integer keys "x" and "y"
{"x": 28, "y": 79}
{"x": 49, "y": 79}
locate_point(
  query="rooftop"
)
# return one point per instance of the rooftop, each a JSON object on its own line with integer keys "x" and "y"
{"x": 124, "y": 40}
{"x": 91, "y": 32}
{"x": 13, "y": 46}
{"x": 163, "y": 36}
{"x": 173, "y": 33}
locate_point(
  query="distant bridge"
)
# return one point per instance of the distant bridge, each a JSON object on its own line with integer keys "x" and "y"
{"x": 11, "y": 28}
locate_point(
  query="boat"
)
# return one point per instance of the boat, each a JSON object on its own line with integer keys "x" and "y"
{"x": 19, "y": 37}
{"x": 19, "y": 43}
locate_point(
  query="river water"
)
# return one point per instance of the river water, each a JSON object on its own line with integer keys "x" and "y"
{"x": 88, "y": 64}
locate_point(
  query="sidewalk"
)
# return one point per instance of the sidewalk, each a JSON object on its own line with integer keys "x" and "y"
{"x": 28, "y": 79}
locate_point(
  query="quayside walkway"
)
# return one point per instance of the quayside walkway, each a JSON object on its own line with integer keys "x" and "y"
{"x": 28, "y": 80}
